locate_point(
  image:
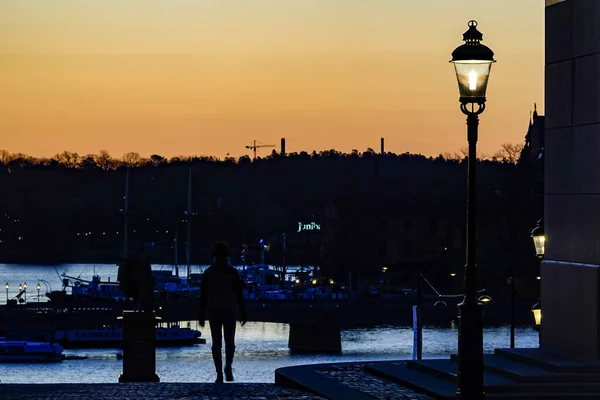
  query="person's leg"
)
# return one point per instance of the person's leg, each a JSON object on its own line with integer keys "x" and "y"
{"x": 229, "y": 331}
{"x": 216, "y": 327}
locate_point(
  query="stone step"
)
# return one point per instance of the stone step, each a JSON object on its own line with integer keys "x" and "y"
{"x": 445, "y": 390}
{"x": 306, "y": 378}
{"x": 421, "y": 381}
{"x": 522, "y": 372}
{"x": 543, "y": 396}
{"x": 497, "y": 384}
{"x": 447, "y": 369}
{"x": 552, "y": 361}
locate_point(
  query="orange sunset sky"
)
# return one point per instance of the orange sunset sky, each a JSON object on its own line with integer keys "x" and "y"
{"x": 206, "y": 77}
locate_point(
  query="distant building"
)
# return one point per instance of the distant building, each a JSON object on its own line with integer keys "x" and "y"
{"x": 532, "y": 157}
{"x": 534, "y": 139}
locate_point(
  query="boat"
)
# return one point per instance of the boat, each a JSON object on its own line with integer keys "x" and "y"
{"x": 97, "y": 290}
{"x": 24, "y": 351}
{"x": 112, "y": 337}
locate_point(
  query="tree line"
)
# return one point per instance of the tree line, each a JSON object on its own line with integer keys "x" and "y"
{"x": 508, "y": 153}
{"x": 372, "y": 209}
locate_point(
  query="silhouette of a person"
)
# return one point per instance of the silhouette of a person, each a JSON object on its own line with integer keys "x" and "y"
{"x": 221, "y": 289}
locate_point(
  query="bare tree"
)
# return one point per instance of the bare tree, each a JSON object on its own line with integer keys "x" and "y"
{"x": 104, "y": 160}
{"x": 68, "y": 159}
{"x": 157, "y": 160}
{"x": 463, "y": 154}
{"x": 5, "y": 157}
{"x": 509, "y": 153}
{"x": 89, "y": 161}
{"x": 132, "y": 159}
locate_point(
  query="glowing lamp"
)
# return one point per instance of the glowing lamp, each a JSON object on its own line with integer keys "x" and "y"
{"x": 539, "y": 239}
{"x": 314, "y": 281}
{"x": 484, "y": 299}
{"x": 537, "y": 315}
{"x": 472, "y": 64}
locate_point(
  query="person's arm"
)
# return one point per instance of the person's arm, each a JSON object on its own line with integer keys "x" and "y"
{"x": 239, "y": 295}
{"x": 203, "y": 297}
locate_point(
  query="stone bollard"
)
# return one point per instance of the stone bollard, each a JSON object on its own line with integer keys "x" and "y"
{"x": 139, "y": 347}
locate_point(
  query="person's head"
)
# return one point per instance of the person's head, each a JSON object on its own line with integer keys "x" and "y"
{"x": 221, "y": 252}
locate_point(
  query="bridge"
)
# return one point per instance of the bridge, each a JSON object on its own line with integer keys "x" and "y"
{"x": 315, "y": 325}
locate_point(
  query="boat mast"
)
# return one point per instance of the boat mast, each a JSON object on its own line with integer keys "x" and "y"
{"x": 176, "y": 252}
{"x": 189, "y": 223}
{"x": 126, "y": 227}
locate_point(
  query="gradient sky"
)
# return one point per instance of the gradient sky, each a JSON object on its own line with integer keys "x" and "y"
{"x": 206, "y": 77}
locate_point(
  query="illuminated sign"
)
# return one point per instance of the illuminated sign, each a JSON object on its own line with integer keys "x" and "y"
{"x": 313, "y": 226}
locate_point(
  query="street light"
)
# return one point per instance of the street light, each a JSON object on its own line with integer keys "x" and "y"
{"x": 38, "y": 287}
{"x": 537, "y": 315}
{"x": 472, "y": 62}
{"x": 7, "y": 286}
{"x": 25, "y": 288}
{"x": 539, "y": 239}
{"x": 484, "y": 299}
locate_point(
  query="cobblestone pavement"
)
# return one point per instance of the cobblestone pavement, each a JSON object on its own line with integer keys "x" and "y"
{"x": 135, "y": 391}
{"x": 355, "y": 377}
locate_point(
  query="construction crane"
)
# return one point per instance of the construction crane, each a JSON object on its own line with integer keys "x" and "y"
{"x": 258, "y": 145}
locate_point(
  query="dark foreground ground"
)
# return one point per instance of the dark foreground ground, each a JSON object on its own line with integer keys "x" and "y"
{"x": 355, "y": 379}
{"x": 166, "y": 391}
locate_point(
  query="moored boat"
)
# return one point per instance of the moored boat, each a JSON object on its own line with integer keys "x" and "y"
{"x": 24, "y": 351}
{"x": 112, "y": 337}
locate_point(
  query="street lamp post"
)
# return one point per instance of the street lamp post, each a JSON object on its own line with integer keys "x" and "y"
{"x": 38, "y": 287}
{"x": 25, "y": 288}
{"x": 472, "y": 62}
{"x": 7, "y": 286}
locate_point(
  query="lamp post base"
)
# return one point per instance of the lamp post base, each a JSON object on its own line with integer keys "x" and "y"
{"x": 470, "y": 351}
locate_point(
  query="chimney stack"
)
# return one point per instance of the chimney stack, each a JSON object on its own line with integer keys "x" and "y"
{"x": 282, "y": 147}
{"x": 382, "y": 146}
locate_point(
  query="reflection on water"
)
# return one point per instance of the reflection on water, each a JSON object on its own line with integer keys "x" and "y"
{"x": 261, "y": 347}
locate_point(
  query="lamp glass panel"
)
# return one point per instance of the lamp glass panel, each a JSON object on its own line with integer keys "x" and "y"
{"x": 540, "y": 244}
{"x": 537, "y": 315}
{"x": 472, "y": 76}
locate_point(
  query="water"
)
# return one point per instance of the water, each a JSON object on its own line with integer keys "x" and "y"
{"x": 261, "y": 347}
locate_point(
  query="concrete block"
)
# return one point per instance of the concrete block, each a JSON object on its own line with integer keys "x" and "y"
{"x": 558, "y": 160}
{"x": 571, "y": 226}
{"x": 584, "y": 164}
{"x": 559, "y": 32}
{"x": 570, "y": 307}
{"x": 558, "y": 94}
{"x": 586, "y": 90}
{"x": 139, "y": 347}
{"x": 586, "y": 27}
